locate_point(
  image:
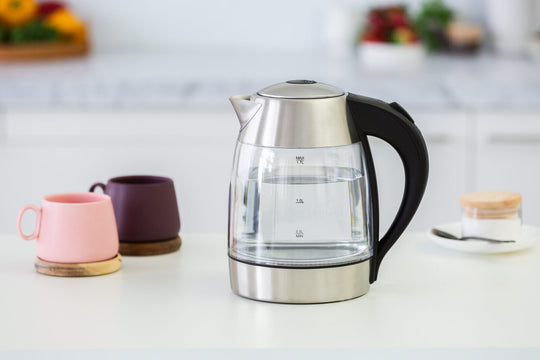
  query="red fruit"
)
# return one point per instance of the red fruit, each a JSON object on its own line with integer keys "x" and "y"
{"x": 372, "y": 37}
{"x": 375, "y": 20}
{"x": 48, "y": 7}
{"x": 389, "y": 24}
{"x": 398, "y": 19}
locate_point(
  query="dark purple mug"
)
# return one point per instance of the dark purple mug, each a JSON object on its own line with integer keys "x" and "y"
{"x": 145, "y": 207}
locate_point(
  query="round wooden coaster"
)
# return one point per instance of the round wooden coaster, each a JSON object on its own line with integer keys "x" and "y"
{"x": 150, "y": 248}
{"x": 79, "y": 270}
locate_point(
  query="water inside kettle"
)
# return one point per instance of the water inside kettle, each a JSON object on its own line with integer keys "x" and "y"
{"x": 301, "y": 217}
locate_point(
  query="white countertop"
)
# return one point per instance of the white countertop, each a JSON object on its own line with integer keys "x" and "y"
{"x": 187, "y": 80}
{"x": 426, "y": 297}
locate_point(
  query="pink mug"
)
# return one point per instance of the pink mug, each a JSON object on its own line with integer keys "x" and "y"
{"x": 74, "y": 228}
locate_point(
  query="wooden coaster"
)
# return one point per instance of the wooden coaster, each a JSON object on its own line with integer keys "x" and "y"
{"x": 79, "y": 270}
{"x": 150, "y": 248}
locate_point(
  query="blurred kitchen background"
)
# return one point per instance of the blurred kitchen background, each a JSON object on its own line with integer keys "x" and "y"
{"x": 151, "y": 94}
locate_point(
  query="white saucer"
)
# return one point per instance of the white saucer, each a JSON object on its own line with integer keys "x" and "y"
{"x": 528, "y": 236}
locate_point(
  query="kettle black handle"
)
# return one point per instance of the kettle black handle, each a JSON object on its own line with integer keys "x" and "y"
{"x": 391, "y": 123}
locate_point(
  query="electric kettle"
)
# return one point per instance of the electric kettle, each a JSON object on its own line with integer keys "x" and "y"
{"x": 303, "y": 205}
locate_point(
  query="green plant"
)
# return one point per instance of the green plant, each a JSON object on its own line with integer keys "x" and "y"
{"x": 3, "y": 35}
{"x": 32, "y": 32}
{"x": 431, "y": 23}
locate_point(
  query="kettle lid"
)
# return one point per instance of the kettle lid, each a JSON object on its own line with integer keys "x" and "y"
{"x": 301, "y": 89}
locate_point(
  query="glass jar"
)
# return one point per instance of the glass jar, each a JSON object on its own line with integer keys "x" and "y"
{"x": 491, "y": 214}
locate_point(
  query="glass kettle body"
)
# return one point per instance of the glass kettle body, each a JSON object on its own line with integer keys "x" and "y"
{"x": 303, "y": 208}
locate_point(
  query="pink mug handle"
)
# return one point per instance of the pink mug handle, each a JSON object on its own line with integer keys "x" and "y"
{"x": 38, "y": 222}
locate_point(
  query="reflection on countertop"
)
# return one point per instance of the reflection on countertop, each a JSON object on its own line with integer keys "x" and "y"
{"x": 196, "y": 80}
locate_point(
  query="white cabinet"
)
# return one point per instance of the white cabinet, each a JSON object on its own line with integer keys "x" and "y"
{"x": 59, "y": 151}
{"x": 64, "y": 151}
{"x": 448, "y": 140}
{"x": 508, "y": 157}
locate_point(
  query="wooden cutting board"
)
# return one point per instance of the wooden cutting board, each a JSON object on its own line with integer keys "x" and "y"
{"x": 40, "y": 51}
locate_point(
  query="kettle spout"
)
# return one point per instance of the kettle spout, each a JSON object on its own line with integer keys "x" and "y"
{"x": 245, "y": 108}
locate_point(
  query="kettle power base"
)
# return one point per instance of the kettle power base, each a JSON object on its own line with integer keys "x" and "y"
{"x": 78, "y": 269}
{"x": 150, "y": 248}
{"x": 297, "y": 285}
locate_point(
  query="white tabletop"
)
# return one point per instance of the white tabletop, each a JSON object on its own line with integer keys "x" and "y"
{"x": 426, "y": 297}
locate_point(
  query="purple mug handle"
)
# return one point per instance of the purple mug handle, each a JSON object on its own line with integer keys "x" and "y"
{"x": 99, "y": 185}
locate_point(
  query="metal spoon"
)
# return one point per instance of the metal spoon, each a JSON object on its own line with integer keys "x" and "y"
{"x": 446, "y": 235}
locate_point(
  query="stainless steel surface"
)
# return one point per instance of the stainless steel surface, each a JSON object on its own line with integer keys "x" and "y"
{"x": 298, "y": 123}
{"x": 299, "y": 286}
{"x": 301, "y": 89}
{"x": 449, "y": 236}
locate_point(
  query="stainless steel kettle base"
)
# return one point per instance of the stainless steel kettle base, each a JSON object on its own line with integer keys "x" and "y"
{"x": 299, "y": 286}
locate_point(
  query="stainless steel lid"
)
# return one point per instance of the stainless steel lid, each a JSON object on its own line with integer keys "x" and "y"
{"x": 301, "y": 89}
{"x": 295, "y": 114}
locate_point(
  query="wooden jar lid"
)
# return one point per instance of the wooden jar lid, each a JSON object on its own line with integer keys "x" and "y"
{"x": 490, "y": 200}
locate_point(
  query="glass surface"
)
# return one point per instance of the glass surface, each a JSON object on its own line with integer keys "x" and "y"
{"x": 299, "y": 207}
{"x": 498, "y": 224}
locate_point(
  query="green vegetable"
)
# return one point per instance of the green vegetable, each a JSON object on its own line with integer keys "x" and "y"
{"x": 35, "y": 31}
{"x": 431, "y": 23}
{"x": 3, "y": 35}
